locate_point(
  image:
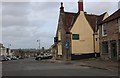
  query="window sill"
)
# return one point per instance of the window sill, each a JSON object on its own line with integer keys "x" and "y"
{"x": 104, "y": 35}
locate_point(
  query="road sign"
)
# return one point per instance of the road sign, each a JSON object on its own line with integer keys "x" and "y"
{"x": 67, "y": 45}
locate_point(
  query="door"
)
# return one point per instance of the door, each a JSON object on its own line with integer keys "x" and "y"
{"x": 113, "y": 49}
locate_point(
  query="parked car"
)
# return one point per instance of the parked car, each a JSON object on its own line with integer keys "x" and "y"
{"x": 49, "y": 56}
{"x": 8, "y": 58}
{"x": 39, "y": 57}
{"x": 14, "y": 58}
{"x": 3, "y": 58}
{"x": 43, "y": 56}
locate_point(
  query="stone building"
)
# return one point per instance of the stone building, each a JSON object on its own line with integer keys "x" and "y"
{"x": 110, "y": 37}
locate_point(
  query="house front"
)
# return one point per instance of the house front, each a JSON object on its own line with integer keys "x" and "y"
{"x": 110, "y": 37}
{"x": 84, "y": 34}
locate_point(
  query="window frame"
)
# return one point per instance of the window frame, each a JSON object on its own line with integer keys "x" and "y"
{"x": 104, "y": 27}
{"x": 119, "y": 24}
{"x": 105, "y": 44}
{"x": 75, "y": 38}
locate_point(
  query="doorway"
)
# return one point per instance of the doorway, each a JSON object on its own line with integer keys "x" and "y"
{"x": 113, "y": 49}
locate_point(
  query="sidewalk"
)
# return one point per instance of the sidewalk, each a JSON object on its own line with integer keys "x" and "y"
{"x": 94, "y": 63}
{"x": 99, "y": 64}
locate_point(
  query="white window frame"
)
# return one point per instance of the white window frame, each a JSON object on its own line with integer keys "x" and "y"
{"x": 103, "y": 33}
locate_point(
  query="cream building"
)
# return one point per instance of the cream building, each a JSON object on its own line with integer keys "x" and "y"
{"x": 78, "y": 33}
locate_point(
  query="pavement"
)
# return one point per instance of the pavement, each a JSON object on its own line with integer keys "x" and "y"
{"x": 94, "y": 63}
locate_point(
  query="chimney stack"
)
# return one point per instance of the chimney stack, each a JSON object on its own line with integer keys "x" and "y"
{"x": 80, "y": 5}
{"x": 62, "y": 8}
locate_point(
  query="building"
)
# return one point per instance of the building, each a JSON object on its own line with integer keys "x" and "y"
{"x": 110, "y": 37}
{"x": 64, "y": 22}
{"x": 53, "y": 51}
{"x": 76, "y": 31}
{"x": 3, "y": 50}
{"x": 84, "y": 33}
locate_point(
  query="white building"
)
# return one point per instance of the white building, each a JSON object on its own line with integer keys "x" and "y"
{"x": 5, "y": 51}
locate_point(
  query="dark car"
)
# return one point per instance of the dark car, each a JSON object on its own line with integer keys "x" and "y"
{"x": 43, "y": 56}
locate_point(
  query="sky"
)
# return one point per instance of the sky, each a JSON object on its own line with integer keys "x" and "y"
{"x": 25, "y": 22}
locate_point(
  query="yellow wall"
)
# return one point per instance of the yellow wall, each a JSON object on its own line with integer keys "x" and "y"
{"x": 106, "y": 15}
{"x": 59, "y": 48}
{"x": 97, "y": 42}
{"x": 85, "y": 43}
{"x": 59, "y": 35}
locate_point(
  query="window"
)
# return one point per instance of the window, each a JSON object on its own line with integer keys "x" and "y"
{"x": 104, "y": 29}
{"x": 59, "y": 35}
{"x": 75, "y": 36}
{"x": 119, "y": 24}
{"x": 105, "y": 47}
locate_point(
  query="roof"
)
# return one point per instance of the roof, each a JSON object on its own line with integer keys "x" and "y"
{"x": 91, "y": 20}
{"x": 115, "y": 15}
{"x": 67, "y": 19}
{"x": 94, "y": 20}
{"x": 70, "y": 18}
{"x": 100, "y": 18}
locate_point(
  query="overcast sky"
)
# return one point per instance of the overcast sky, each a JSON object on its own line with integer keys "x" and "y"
{"x": 25, "y": 22}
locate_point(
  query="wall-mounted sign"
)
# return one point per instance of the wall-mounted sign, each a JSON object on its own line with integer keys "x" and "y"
{"x": 67, "y": 45}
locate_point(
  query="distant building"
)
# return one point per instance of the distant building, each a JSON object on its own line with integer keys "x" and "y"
{"x": 3, "y": 50}
{"x": 110, "y": 37}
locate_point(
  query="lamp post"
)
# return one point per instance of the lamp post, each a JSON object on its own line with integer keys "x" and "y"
{"x": 38, "y": 45}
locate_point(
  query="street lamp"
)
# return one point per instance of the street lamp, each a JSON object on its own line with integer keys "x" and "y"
{"x": 38, "y": 44}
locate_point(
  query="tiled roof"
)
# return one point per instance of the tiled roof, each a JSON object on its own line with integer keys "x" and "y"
{"x": 91, "y": 20}
{"x": 94, "y": 20}
{"x": 68, "y": 19}
{"x": 100, "y": 18}
{"x": 115, "y": 15}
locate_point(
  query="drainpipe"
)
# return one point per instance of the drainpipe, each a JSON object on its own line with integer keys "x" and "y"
{"x": 94, "y": 44}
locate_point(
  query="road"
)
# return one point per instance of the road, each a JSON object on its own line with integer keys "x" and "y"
{"x": 31, "y": 67}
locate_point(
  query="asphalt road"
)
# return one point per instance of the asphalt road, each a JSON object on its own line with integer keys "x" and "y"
{"x": 31, "y": 67}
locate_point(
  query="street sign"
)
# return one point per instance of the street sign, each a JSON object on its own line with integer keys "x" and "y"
{"x": 67, "y": 45}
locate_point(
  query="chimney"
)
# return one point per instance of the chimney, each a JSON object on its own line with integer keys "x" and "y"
{"x": 61, "y": 8}
{"x": 80, "y": 5}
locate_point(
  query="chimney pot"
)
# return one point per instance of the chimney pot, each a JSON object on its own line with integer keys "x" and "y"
{"x": 62, "y": 8}
{"x": 80, "y": 5}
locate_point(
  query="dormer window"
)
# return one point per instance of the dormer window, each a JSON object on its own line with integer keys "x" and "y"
{"x": 104, "y": 29}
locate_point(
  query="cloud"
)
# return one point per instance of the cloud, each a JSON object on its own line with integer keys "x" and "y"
{"x": 25, "y": 22}
{"x": 101, "y": 7}
{"x": 0, "y": 22}
{"x": 15, "y": 8}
